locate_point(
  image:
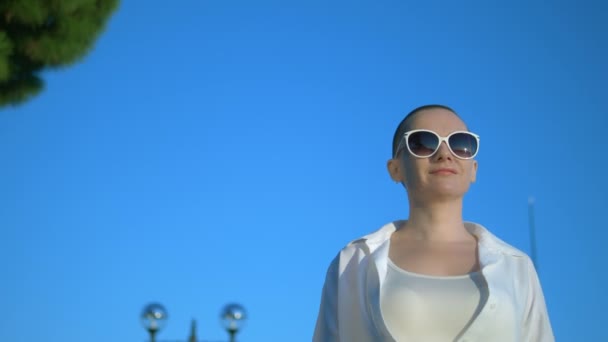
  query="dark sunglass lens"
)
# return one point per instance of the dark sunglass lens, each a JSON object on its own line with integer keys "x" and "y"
{"x": 463, "y": 145}
{"x": 423, "y": 144}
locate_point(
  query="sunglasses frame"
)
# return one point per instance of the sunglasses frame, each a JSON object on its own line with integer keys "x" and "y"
{"x": 441, "y": 139}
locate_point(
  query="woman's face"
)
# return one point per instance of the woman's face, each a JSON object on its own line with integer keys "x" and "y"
{"x": 441, "y": 176}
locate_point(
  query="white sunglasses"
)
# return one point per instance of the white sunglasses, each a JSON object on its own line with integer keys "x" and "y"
{"x": 423, "y": 143}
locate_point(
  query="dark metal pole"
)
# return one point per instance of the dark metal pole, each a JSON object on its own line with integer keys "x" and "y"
{"x": 532, "y": 232}
{"x": 152, "y": 335}
{"x": 232, "y": 333}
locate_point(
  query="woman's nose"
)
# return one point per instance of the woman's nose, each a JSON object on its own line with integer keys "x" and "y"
{"x": 443, "y": 152}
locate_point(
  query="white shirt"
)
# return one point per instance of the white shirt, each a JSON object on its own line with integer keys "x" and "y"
{"x": 418, "y": 307}
{"x": 515, "y": 309}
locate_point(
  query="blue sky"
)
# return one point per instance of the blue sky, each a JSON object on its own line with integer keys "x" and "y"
{"x": 220, "y": 151}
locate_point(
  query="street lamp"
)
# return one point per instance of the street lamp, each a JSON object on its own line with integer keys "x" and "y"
{"x": 532, "y": 231}
{"x": 233, "y": 316}
{"x": 153, "y": 318}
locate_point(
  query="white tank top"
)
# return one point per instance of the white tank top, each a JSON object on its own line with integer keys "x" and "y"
{"x": 417, "y": 307}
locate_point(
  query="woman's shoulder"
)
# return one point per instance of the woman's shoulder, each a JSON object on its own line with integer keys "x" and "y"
{"x": 377, "y": 236}
{"x": 362, "y": 247}
{"x": 488, "y": 240}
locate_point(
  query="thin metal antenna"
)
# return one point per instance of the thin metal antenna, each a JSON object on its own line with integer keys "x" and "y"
{"x": 532, "y": 230}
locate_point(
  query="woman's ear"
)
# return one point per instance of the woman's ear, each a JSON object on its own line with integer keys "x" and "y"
{"x": 474, "y": 171}
{"x": 394, "y": 170}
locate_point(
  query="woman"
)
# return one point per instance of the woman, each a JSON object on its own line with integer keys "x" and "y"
{"x": 432, "y": 277}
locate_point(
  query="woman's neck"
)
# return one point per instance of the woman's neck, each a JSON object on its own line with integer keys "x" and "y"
{"x": 437, "y": 222}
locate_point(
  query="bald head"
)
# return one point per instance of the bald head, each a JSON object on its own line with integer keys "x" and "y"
{"x": 406, "y": 123}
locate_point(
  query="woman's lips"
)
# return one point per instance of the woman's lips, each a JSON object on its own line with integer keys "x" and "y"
{"x": 443, "y": 171}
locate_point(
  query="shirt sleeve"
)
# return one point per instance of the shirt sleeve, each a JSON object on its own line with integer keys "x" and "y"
{"x": 326, "y": 329}
{"x": 535, "y": 326}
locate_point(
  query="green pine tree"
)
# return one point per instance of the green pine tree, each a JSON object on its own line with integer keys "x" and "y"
{"x": 40, "y": 34}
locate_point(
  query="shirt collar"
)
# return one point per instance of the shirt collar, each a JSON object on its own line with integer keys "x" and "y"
{"x": 488, "y": 242}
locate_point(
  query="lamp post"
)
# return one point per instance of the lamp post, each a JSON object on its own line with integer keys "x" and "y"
{"x": 532, "y": 231}
{"x": 153, "y": 318}
{"x": 233, "y": 317}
